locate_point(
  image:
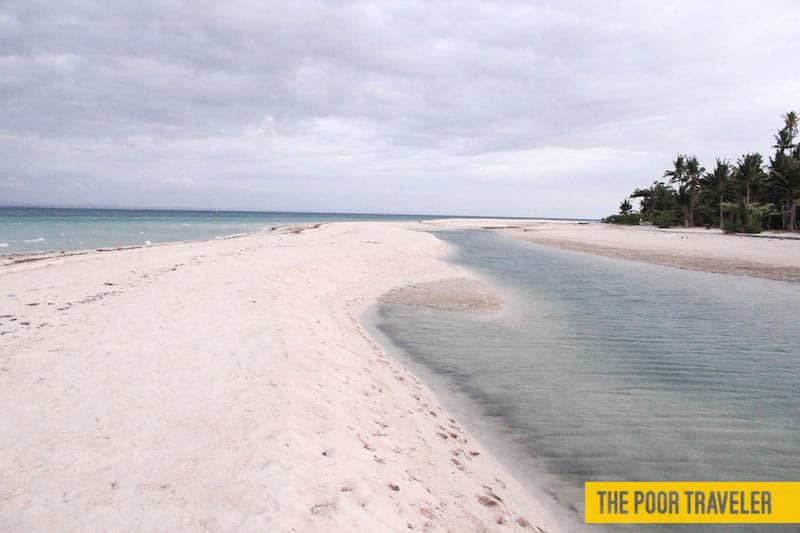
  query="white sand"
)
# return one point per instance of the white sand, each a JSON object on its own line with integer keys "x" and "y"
{"x": 694, "y": 248}
{"x": 228, "y": 384}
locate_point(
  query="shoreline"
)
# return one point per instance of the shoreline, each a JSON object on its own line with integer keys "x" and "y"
{"x": 13, "y": 258}
{"x": 230, "y": 383}
{"x": 527, "y": 470}
{"x": 272, "y": 225}
{"x": 768, "y": 256}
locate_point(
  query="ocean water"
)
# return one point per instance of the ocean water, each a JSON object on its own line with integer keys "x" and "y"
{"x": 26, "y": 230}
{"x": 607, "y": 370}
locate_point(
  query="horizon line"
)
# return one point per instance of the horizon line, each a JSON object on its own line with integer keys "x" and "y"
{"x": 230, "y": 210}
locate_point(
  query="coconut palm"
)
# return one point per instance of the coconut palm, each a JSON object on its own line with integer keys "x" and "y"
{"x": 645, "y": 197}
{"x": 749, "y": 173}
{"x": 784, "y": 140}
{"x": 694, "y": 172}
{"x": 678, "y": 174}
{"x": 785, "y": 169}
{"x": 790, "y": 120}
{"x": 716, "y": 182}
{"x": 657, "y": 203}
{"x": 784, "y": 175}
{"x": 743, "y": 192}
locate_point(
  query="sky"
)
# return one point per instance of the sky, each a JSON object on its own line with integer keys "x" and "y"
{"x": 553, "y": 109}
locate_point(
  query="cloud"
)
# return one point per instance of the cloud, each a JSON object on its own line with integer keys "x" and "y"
{"x": 11, "y": 182}
{"x": 508, "y": 108}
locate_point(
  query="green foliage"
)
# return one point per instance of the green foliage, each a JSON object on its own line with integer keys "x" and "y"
{"x": 753, "y": 226}
{"x": 745, "y": 197}
{"x": 632, "y": 219}
{"x": 756, "y": 214}
{"x": 749, "y": 174}
{"x": 760, "y": 210}
{"x": 678, "y": 172}
{"x": 658, "y": 198}
{"x": 664, "y": 219}
{"x": 730, "y": 226}
{"x": 746, "y": 217}
{"x": 625, "y": 207}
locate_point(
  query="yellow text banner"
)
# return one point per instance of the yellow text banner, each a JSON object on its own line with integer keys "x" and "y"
{"x": 747, "y": 502}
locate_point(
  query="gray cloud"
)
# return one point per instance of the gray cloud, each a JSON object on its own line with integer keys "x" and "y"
{"x": 512, "y": 108}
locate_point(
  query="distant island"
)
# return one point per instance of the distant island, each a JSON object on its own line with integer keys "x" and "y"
{"x": 747, "y": 196}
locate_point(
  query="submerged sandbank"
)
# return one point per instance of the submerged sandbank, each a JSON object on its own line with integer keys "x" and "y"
{"x": 452, "y": 294}
{"x": 229, "y": 384}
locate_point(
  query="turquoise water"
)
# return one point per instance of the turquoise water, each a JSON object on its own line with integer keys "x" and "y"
{"x": 601, "y": 369}
{"x": 25, "y": 230}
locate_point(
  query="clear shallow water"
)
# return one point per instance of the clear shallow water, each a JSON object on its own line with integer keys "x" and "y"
{"x": 601, "y": 369}
{"x": 24, "y": 230}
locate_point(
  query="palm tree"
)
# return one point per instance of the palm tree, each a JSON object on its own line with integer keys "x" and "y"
{"x": 748, "y": 173}
{"x": 790, "y": 119}
{"x": 657, "y": 204}
{"x": 743, "y": 192}
{"x": 694, "y": 171}
{"x": 717, "y": 181}
{"x": 784, "y": 140}
{"x": 625, "y": 207}
{"x": 785, "y": 176}
{"x": 678, "y": 174}
{"x": 785, "y": 169}
{"x": 645, "y": 202}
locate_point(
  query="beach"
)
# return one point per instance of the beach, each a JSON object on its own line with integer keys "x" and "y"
{"x": 769, "y": 255}
{"x": 394, "y": 266}
{"x": 231, "y": 383}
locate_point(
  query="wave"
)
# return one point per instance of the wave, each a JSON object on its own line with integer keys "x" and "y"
{"x": 3, "y": 245}
{"x": 37, "y": 239}
{"x": 230, "y": 236}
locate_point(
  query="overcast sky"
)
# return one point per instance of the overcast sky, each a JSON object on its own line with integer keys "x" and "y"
{"x": 518, "y": 108}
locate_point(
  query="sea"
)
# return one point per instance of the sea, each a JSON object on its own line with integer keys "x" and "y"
{"x": 600, "y": 369}
{"x": 36, "y": 229}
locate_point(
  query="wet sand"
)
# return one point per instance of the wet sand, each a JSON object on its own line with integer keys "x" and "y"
{"x": 455, "y": 294}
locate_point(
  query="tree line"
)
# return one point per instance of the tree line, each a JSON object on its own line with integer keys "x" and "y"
{"x": 748, "y": 195}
